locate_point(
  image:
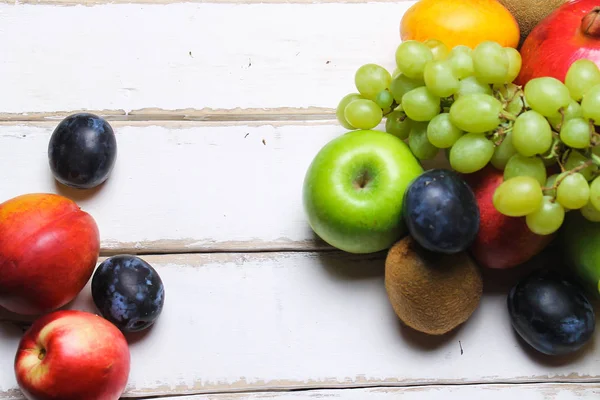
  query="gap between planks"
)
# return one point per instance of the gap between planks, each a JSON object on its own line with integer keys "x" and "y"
{"x": 156, "y": 114}
{"x": 326, "y": 391}
{"x": 271, "y": 393}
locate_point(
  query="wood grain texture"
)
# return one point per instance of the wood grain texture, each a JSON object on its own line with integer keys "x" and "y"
{"x": 186, "y": 187}
{"x": 279, "y": 321}
{"x": 207, "y": 58}
{"x": 488, "y": 392}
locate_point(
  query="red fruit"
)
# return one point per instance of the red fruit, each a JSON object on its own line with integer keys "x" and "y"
{"x": 502, "y": 242}
{"x": 569, "y": 33}
{"x": 48, "y": 252}
{"x": 72, "y": 355}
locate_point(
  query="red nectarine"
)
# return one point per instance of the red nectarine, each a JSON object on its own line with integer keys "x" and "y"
{"x": 502, "y": 241}
{"x": 48, "y": 251}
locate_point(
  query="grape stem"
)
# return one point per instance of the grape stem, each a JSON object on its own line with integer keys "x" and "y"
{"x": 392, "y": 108}
{"x": 578, "y": 168}
{"x": 507, "y": 115}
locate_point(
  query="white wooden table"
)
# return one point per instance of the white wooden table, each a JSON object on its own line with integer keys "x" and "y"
{"x": 219, "y": 107}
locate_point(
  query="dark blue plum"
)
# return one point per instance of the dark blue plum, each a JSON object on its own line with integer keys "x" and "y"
{"x": 551, "y": 313}
{"x": 82, "y": 151}
{"x": 441, "y": 212}
{"x": 128, "y": 292}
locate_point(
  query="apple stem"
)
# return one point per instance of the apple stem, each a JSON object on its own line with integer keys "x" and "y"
{"x": 590, "y": 24}
{"x": 42, "y": 354}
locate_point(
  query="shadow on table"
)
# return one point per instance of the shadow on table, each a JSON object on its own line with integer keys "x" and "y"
{"x": 77, "y": 195}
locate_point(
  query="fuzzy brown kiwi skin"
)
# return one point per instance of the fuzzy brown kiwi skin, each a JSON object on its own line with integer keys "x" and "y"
{"x": 430, "y": 292}
{"x": 529, "y": 13}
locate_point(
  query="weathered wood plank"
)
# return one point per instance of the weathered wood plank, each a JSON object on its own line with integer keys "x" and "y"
{"x": 189, "y": 58}
{"x": 183, "y": 187}
{"x": 476, "y": 392}
{"x": 278, "y": 321}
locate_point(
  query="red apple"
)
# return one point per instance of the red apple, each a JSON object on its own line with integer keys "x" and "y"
{"x": 502, "y": 241}
{"x": 48, "y": 251}
{"x": 72, "y": 355}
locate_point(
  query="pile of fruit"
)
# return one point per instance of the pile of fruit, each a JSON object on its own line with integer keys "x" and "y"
{"x": 49, "y": 249}
{"x": 517, "y": 129}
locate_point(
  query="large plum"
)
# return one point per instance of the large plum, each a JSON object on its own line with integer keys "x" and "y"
{"x": 128, "y": 292}
{"x": 551, "y": 313}
{"x": 82, "y": 151}
{"x": 441, "y": 212}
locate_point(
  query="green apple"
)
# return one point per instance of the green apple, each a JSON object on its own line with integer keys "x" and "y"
{"x": 354, "y": 187}
{"x": 580, "y": 245}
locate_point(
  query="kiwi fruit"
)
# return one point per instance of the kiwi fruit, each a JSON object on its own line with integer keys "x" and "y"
{"x": 431, "y": 292}
{"x": 529, "y": 13}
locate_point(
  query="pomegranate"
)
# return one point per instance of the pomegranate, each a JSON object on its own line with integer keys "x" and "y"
{"x": 569, "y": 33}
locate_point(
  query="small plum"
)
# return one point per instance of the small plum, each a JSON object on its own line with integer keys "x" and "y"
{"x": 82, "y": 151}
{"x": 441, "y": 212}
{"x": 128, "y": 292}
{"x": 551, "y": 313}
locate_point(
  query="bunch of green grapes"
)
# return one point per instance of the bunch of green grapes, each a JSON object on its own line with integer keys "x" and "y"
{"x": 463, "y": 101}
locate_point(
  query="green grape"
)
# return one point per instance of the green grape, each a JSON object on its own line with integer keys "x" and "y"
{"x": 441, "y": 132}
{"x": 519, "y": 165}
{"x": 590, "y": 105}
{"x": 490, "y": 62}
{"x": 510, "y": 93}
{"x": 595, "y": 193}
{"x": 476, "y": 113}
{"x": 590, "y": 212}
{"x": 461, "y": 61}
{"x": 503, "y": 152}
{"x": 547, "y": 219}
{"x": 518, "y": 196}
{"x": 440, "y": 79}
{"x": 573, "y": 110}
{"x": 420, "y": 104}
{"x": 581, "y": 76}
{"x": 532, "y": 134}
{"x": 549, "y": 189}
{"x": 418, "y": 143}
{"x": 576, "y": 133}
{"x": 363, "y": 114}
{"x": 470, "y": 153}
{"x": 547, "y": 95}
{"x": 370, "y": 79}
{"x": 470, "y": 85}
{"x": 411, "y": 57}
{"x": 398, "y": 124}
{"x": 573, "y": 191}
{"x": 514, "y": 63}
{"x": 339, "y": 112}
{"x": 384, "y": 99}
{"x": 438, "y": 49}
{"x": 575, "y": 159}
{"x": 402, "y": 84}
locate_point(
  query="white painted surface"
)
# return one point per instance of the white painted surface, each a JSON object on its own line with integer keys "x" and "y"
{"x": 134, "y": 56}
{"x": 488, "y": 392}
{"x": 311, "y": 320}
{"x": 185, "y": 186}
{"x": 261, "y": 321}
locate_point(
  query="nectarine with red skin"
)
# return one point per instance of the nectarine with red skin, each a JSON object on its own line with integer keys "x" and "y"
{"x": 502, "y": 241}
{"x": 48, "y": 251}
{"x": 72, "y": 355}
